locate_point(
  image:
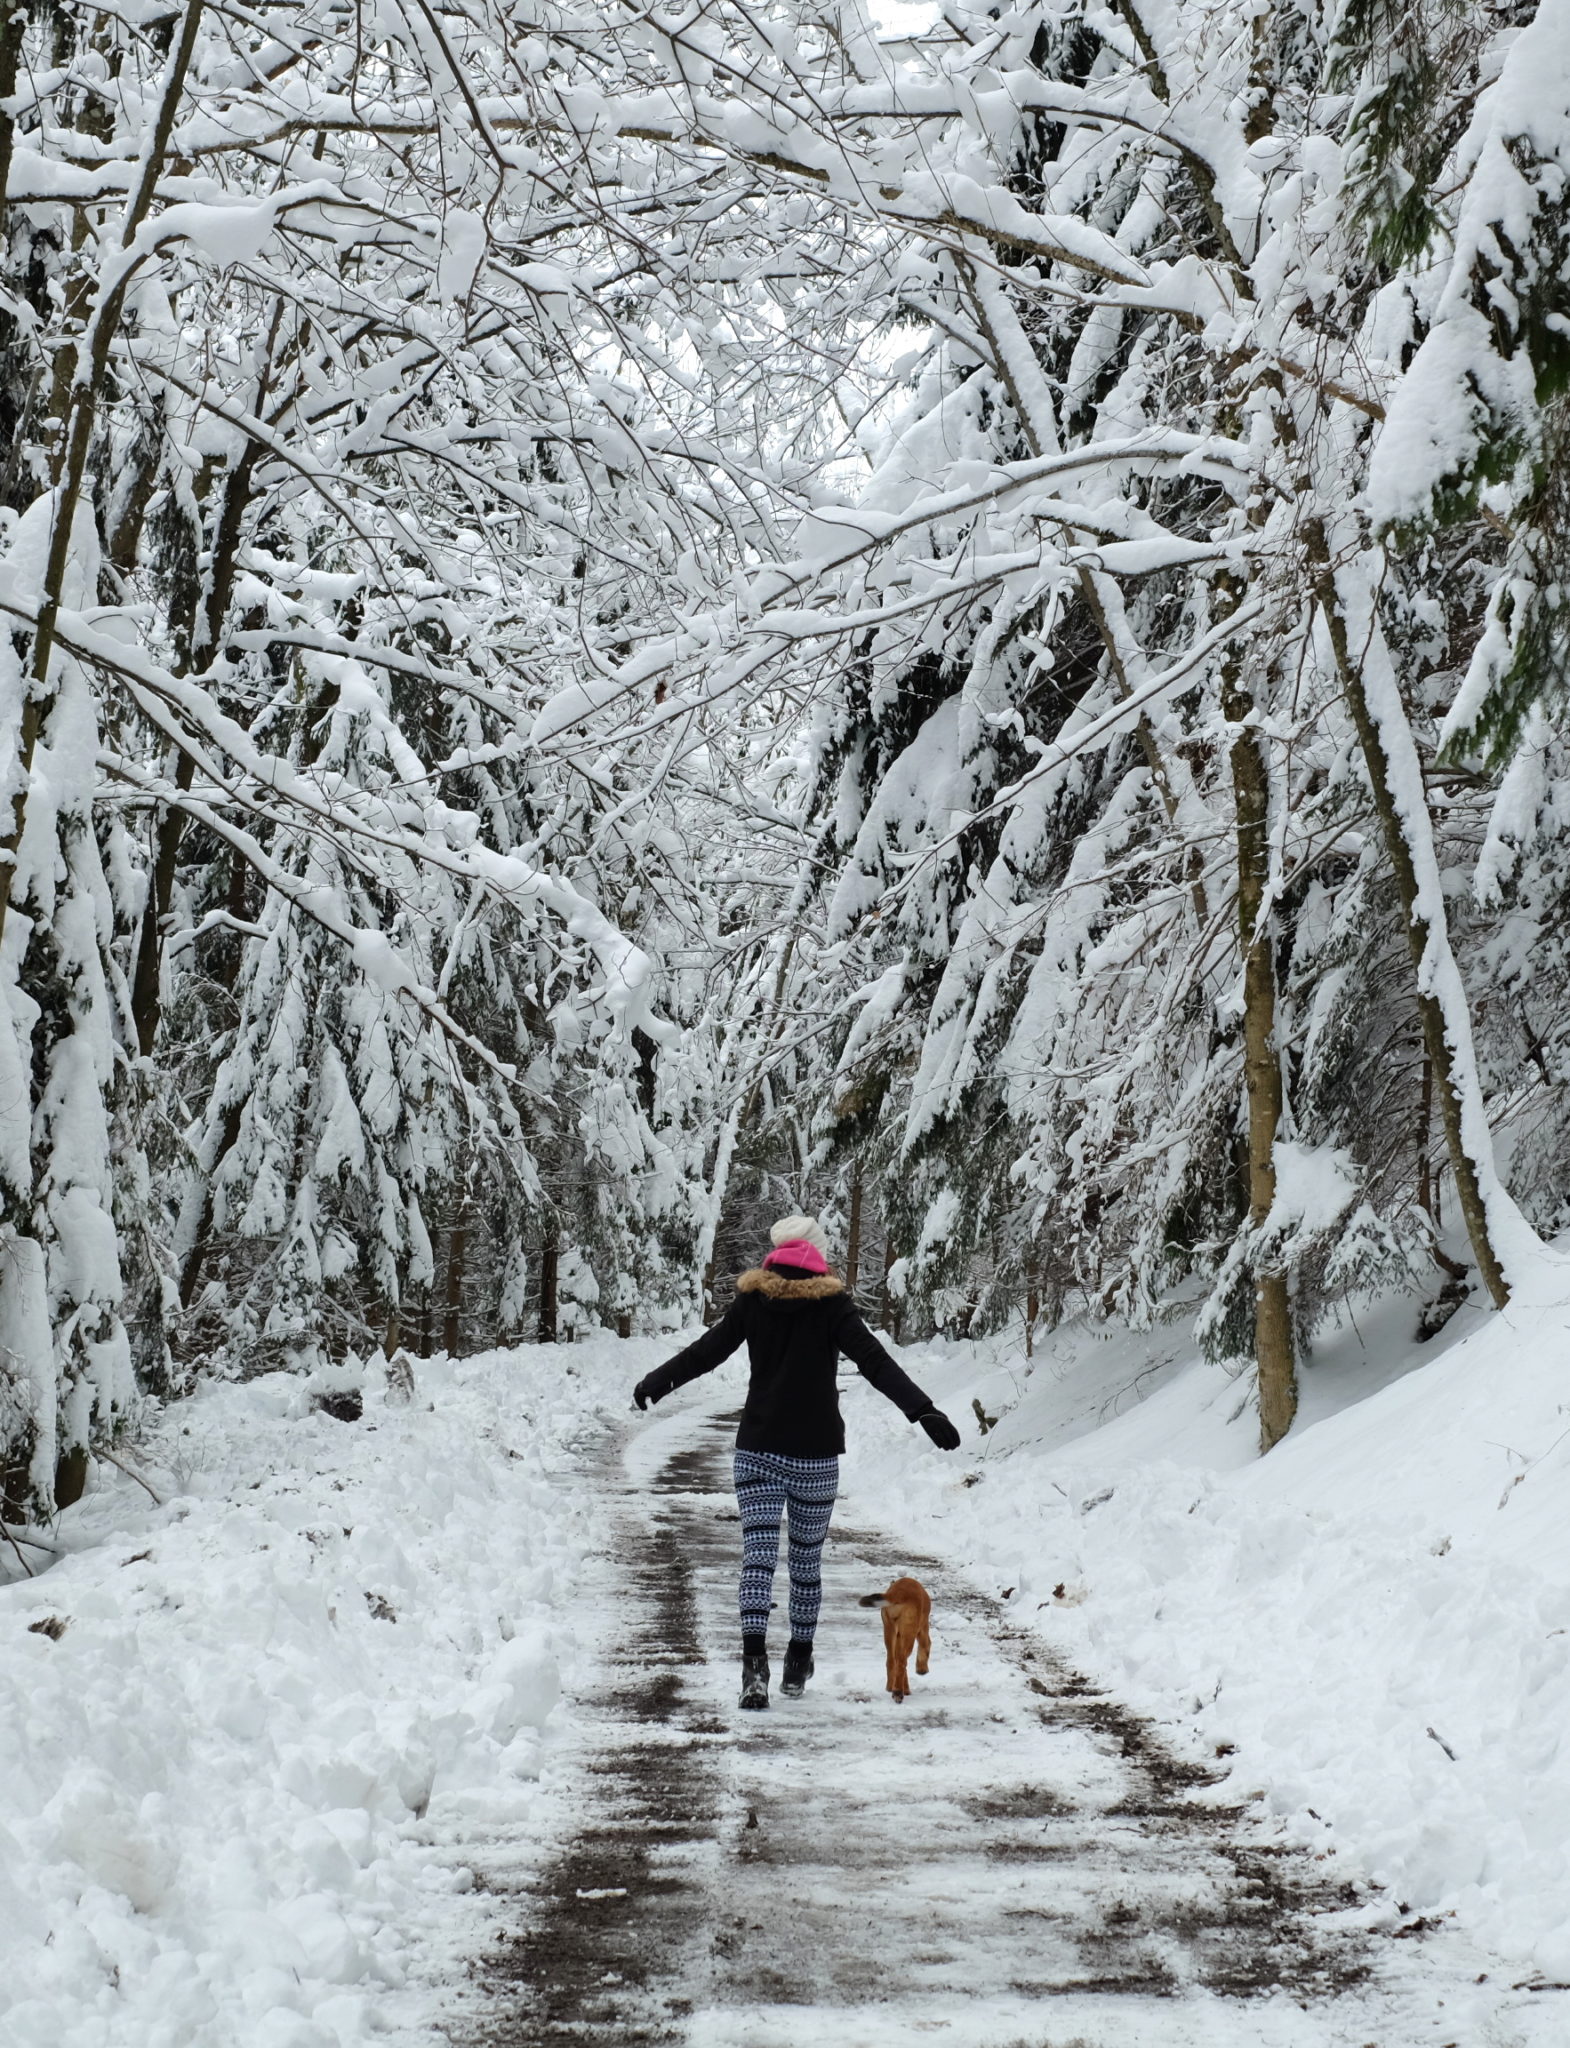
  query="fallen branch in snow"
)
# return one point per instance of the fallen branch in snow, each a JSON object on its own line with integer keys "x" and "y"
{"x": 130, "y": 1473}
{"x": 1529, "y": 1465}
{"x": 15, "y": 1536}
{"x": 22, "y": 1561}
{"x": 1449, "y": 1752}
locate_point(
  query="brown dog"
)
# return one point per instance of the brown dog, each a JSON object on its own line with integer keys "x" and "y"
{"x": 907, "y": 1619}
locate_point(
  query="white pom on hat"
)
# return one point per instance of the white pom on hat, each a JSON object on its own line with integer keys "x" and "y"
{"x": 800, "y": 1230}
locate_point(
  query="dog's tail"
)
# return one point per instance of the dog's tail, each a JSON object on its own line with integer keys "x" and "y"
{"x": 872, "y": 1600}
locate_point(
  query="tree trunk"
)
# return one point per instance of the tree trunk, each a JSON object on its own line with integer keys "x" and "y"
{"x": 719, "y": 1181}
{"x": 1447, "y": 1028}
{"x": 776, "y": 1012}
{"x": 457, "y": 1246}
{"x": 196, "y": 1257}
{"x": 853, "y": 1233}
{"x": 1273, "y": 1350}
{"x": 888, "y": 1310}
{"x": 1425, "y": 1131}
{"x": 17, "y": 1500}
{"x": 239, "y": 881}
{"x": 13, "y": 28}
{"x": 1274, "y": 1355}
{"x": 75, "y": 442}
{"x": 71, "y": 1476}
{"x": 1032, "y": 1304}
{"x": 1427, "y": 1179}
{"x": 147, "y": 979}
{"x": 147, "y": 983}
{"x": 550, "y": 1258}
{"x": 229, "y": 1132}
{"x": 1101, "y": 592}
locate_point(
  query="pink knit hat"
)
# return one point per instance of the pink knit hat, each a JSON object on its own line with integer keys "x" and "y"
{"x": 799, "y": 1241}
{"x": 796, "y": 1251}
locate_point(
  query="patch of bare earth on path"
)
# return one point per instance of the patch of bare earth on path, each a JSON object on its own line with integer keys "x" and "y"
{"x": 1021, "y": 1831}
{"x": 598, "y": 1955}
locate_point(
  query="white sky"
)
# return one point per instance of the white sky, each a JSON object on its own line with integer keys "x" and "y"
{"x": 904, "y": 17}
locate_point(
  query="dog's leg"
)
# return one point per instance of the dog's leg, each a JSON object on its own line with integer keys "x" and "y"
{"x": 922, "y": 1631}
{"x": 902, "y": 1641}
{"x": 889, "y": 1640}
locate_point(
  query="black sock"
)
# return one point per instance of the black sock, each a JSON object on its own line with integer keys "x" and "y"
{"x": 754, "y": 1645}
{"x": 801, "y": 1643}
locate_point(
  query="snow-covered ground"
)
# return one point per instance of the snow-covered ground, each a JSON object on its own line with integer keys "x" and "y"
{"x": 235, "y": 1785}
{"x": 1004, "y": 1859}
{"x": 1375, "y": 1618}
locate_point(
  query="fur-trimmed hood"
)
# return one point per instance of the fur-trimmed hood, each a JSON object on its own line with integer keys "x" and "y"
{"x": 763, "y": 1280}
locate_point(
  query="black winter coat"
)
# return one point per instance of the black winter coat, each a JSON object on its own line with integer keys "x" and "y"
{"x": 794, "y": 1330}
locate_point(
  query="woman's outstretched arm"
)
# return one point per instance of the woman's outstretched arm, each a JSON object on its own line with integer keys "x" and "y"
{"x": 874, "y": 1364}
{"x": 700, "y": 1356}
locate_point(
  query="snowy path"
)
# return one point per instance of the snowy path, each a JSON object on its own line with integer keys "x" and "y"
{"x": 1006, "y": 1861}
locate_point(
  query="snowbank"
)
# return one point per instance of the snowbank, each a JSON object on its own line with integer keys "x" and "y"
{"x": 1376, "y": 1618}
{"x": 239, "y": 1732}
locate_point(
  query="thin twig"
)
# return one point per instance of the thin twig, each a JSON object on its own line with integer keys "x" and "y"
{"x": 130, "y": 1473}
{"x": 22, "y": 1561}
{"x": 32, "y": 1542}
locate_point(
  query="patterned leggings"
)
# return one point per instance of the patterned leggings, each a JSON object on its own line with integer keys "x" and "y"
{"x": 765, "y": 1485}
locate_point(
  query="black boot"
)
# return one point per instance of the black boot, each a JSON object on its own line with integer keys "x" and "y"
{"x": 755, "y": 1681}
{"x": 798, "y": 1669}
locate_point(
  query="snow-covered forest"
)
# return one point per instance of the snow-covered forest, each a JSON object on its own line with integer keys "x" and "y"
{"x": 619, "y": 616}
{"x": 942, "y": 620}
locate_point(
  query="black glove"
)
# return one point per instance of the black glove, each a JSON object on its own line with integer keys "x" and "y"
{"x": 939, "y": 1428}
{"x": 644, "y": 1392}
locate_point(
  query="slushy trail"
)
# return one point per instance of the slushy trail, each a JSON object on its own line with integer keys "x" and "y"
{"x": 1008, "y": 1860}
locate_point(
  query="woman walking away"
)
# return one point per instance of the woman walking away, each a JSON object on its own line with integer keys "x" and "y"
{"x": 795, "y": 1318}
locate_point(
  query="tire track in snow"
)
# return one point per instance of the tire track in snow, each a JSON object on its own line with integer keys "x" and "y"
{"x": 1009, "y": 1860}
